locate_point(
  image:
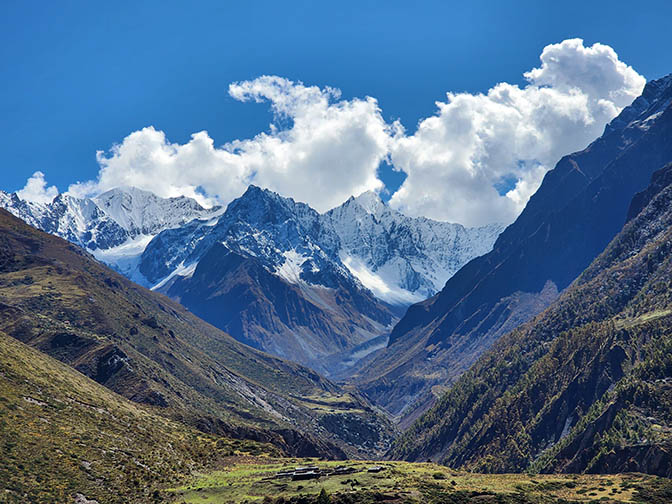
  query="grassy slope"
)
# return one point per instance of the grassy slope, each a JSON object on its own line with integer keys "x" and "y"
{"x": 140, "y": 344}
{"x": 62, "y": 433}
{"x": 249, "y": 479}
{"x": 586, "y": 386}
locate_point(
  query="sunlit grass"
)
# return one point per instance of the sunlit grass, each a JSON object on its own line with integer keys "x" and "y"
{"x": 412, "y": 482}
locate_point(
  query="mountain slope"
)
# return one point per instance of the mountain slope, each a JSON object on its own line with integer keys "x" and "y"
{"x": 63, "y": 434}
{"x": 302, "y": 322}
{"x": 149, "y": 349}
{"x": 585, "y": 386}
{"x": 580, "y": 206}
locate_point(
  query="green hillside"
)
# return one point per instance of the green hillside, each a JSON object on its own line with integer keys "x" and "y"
{"x": 252, "y": 479}
{"x": 62, "y": 434}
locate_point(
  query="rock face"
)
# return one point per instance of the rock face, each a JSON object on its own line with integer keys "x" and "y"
{"x": 323, "y": 290}
{"x": 587, "y": 385}
{"x": 580, "y": 206}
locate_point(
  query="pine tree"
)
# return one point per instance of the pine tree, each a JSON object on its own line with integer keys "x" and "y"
{"x": 323, "y": 498}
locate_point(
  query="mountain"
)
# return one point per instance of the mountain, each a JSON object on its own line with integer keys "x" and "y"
{"x": 580, "y": 206}
{"x": 58, "y": 299}
{"x": 323, "y": 290}
{"x": 63, "y": 434}
{"x": 115, "y": 226}
{"x": 268, "y": 273}
{"x": 142, "y": 213}
{"x": 402, "y": 259}
{"x": 587, "y": 385}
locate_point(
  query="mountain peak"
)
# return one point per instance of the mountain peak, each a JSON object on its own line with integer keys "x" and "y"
{"x": 254, "y": 192}
{"x": 371, "y": 202}
{"x": 124, "y": 192}
{"x": 656, "y": 97}
{"x": 259, "y": 204}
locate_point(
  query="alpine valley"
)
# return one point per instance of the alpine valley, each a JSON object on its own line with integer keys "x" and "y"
{"x": 157, "y": 350}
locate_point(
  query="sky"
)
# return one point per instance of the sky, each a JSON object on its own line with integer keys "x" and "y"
{"x": 451, "y": 110}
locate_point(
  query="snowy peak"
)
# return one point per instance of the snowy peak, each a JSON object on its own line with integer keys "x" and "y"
{"x": 143, "y": 213}
{"x": 259, "y": 207}
{"x": 111, "y": 225}
{"x": 286, "y": 236}
{"x": 81, "y": 221}
{"x": 31, "y": 213}
{"x": 654, "y": 100}
{"x": 403, "y": 259}
{"x": 371, "y": 203}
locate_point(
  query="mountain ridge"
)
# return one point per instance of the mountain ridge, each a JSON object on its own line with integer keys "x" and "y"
{"x": 351, "y": 271}
{"x": 581, "y": 204}
{"x": 583, "y": 387}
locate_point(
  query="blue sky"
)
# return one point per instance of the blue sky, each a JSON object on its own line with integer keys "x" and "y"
{"x": 78, "y": 77}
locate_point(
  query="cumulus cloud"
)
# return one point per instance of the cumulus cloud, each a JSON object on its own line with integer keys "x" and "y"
{"x": 331, "y": 150}
{"x": 36, "y": 190}
{"x": 481, "y": 157}
{"x": 477, "y": 160}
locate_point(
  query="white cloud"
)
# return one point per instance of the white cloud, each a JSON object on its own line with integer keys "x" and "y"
{"x": 36, "y": 190}
{"x": 510, "y": 136}
{"x": 331, "y": 151}
{"x": 477, "y": 160}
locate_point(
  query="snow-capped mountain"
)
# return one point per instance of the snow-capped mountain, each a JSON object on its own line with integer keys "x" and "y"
{"x": 402, "y": 259}
{"x": 321, "y": 289}
{"x": 77, "y": 220}
{"x": 115, "y": 226}
{"x": 268, "y": 272}
{"x": 143, "y": 213}
{"x": 332, "y": 284}
{"x": 287, "y": 237}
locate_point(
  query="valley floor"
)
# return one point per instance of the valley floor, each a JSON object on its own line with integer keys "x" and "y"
{"x": 253, "y": 479}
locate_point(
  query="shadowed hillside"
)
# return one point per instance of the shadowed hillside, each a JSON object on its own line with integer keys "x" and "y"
{"x": 579, "y": 208}
{"x": 587, "y": 385}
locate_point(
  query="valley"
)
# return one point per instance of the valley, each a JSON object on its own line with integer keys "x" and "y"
{"x": 340, "y": 298}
